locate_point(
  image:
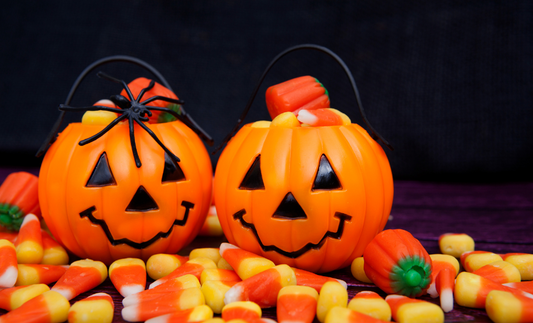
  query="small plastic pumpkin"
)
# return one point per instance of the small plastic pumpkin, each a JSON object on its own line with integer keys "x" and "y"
{"x": 309, "y": 197}
{"x": 122, "y": 191}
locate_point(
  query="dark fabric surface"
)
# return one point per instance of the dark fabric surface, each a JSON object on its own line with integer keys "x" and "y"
{"x": 498, "y": 216}
{"x": 448, "y": 83}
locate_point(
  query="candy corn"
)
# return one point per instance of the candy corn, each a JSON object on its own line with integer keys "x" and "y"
{"x": 332, "y": 294}
{"x": 243, "y": 310}
{"x": 170, "y": 286}
{"x": 409, "y": 310}
{"x": 214, "y": 292}
{"x": 323, "y": 117}
{"x": 339, "y": 314}
{"x": 500, "y": 272}
{"x": 9, "y": 236}
{"x": 211, "y": 253}
{"x": 29, "y": 242}
{"x": 81, "y": 276}
{"x": 506, "y": 307}
{"x": 219, "y": 274}
{"x": 455, "y": 244}
{"x": 307, "y": 278}
{"x": 523, "y": 286}
{"x": 358, "y": 270}
{"x": 49, "y": 307}
{"x": 371, "y": 304}
{"x": 263, "y": 288}
{"x": 18, "y": 197}
{"x": 439, "y": 262}
{"x": 39, "y": 274}
{"x": 245, "y": 263}
{"x": 474, "y": 260}
{"x": 296, "y": 304}
{"x": 53, "y": 252}
{"x": 286, "y": 120}
{"x": 522, "y": 261}
{"x": 172, "y": 302}
{"x": 101, "y": 117}
{"x": 193, "y": 266}
{"x": 98, "y": 307}
{"x": 161, "y": 264}
{"x": 128, "y": 275}
{"x": 14, "y": 297}
{"x": 471, "y": 290}
{"x": 200, "y": 313}
{"x": 8, "y": 264}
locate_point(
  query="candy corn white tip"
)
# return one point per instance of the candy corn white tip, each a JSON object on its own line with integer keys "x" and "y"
{"x": 131, "y": 300}
{"x": 155, "y": 283}
{"x": 68, "y": 294}
{"x": 130, "y": 314}
{"x": 234, "y": 294}
{"x": 432, "y": 290}
{"x": 29, "y": 217}
{"x": 446, "y": 300}
{"x": 305, "y": 116}
{"x": 225, "y": 246}
{"x": 9, "y": 277}
{"x": 105, "y": 102}
{"x": 131, "y": 289}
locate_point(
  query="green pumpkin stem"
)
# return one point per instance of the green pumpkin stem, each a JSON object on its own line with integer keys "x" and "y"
{"x": 11, "y": 216}
{"x": 410, "y": 276}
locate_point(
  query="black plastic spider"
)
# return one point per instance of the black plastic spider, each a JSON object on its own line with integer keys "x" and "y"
{"x": 135, "y": 110}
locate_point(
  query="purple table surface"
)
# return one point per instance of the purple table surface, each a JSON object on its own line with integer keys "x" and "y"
{"x": 499, "y": 217}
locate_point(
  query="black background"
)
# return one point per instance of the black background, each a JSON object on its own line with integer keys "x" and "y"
{"x": 448, "y": 83}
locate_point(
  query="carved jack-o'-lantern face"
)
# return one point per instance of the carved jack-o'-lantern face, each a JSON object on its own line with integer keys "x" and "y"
{"x": 101, "y": 203}
{"x": 310, "y": 197}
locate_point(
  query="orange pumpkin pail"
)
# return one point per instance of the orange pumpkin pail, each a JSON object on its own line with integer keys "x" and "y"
{"x": 129, "y": 188}
{"x": 309, "y": 197}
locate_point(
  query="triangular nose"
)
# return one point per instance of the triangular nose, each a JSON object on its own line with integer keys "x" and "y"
{"x": 289, "y": 209}
{"x": 142, "y": 201}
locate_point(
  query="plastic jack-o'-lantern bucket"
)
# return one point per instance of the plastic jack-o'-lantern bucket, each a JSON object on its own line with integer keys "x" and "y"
{"x": 126, "y": 187}
{"x": 309, "y": 197}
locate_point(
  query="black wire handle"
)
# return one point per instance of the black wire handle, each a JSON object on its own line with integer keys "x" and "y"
{"x": 319, "y": 48}
{"x": 117, "y": 58}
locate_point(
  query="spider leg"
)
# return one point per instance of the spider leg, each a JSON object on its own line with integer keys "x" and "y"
{"x": 132, "y": 142}
{"x": 148, "y": 88}
{"x": 64, "y": 107}
{"x": 153, "y": 135}
{"x": 102, "y": 132}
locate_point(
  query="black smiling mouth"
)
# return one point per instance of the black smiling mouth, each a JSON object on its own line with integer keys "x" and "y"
{"x": 239, "y": 215}
{"x": 88, "y": 213}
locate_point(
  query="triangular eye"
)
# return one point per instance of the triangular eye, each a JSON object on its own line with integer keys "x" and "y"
{"x": 326, "y": 179}
{"x": 172, "y": 171}
{"x": 102, "y": 175}
{"x": 253, "y": 180}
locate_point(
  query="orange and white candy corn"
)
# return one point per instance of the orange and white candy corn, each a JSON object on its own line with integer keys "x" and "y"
{"x": 162, "y": 264}
{"x": 98, "y": 307}
{"x": 307, "y": 278}
{"x": 214, "y": 292}
{"x": 29, "y": 243}
{"x": 170, "y": 286}
{"x": 371, "y": 304}
{"x": 410, "y": 310}
{"x": 193, "y": 267}
{"x": 500, "y": 272}
{"x": 244, "y": 310}
{"x": 323, "y": 117}
{"x": 506, "y": 307}
{"x": 296, "y": 304}
{"x": 172, "y": 302}
{"x": 262, "y": 288}
{"x": 471, "y": 290}
{"x": 522, "y": 261}
{"x": 285, "y": 120}
{"x": 220, "y": 275}
{"x": 39, "y": 274}
{"x": 53, "y": 252}
{"x": 339, "y": 314}
{"x": 81, "y": 276}
{"x": 128, "y": 275}
{"x": 444, "y": 270}
{"x": 211, "y": 253}
{"x": 439, "y": 262}
{"x": 332, "y": 294}
{"x": 246, "y": 264}
{"x": 200, "y": 313}
{"x": 14, "y": 297}
{"x": 474, "y": 260}
{"x": 8, "y": 264}
{"x": 525, "y": 286}
{"x": 49, "y": 307}
{"x": 358, "y": 270}
{"x": 455, "y": 244}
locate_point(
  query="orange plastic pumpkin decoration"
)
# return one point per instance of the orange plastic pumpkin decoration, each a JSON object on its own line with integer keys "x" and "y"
{"x": 309, "y": 197}
{"x": 122, "y": 192}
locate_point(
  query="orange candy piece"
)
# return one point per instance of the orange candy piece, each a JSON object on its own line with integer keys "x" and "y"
{"x": 296, "y": 304}
{"x": 307, "y": 278}
{"x": 474, "y": 260}
{"x": 406, "y": 309}
{"x": 246, "y": 264}
{"x": 506, "y": 307}
{"x": 128, "y": 275}
{"x": 193, "y": 267}
{"x": 243, "y": 310}
{"x": 500, "y": 272}
{"x": 19, "y": 194}
{"x": 39, "y": 274}
{"x": 8, "y": 264}
{"x": 49, "y": 307}
{"x": 53, "y": 252}
{"x": 170, "y": 286}
{"x": 81, "y": 276}
{"x": 14, "y": 297}
{"x": 523, "y": 286}
{"x": 98, "y": 307}
{"x": 323, "y": 117}
{"x": 162, "y": 264}
{"x": 29, "y": 243}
